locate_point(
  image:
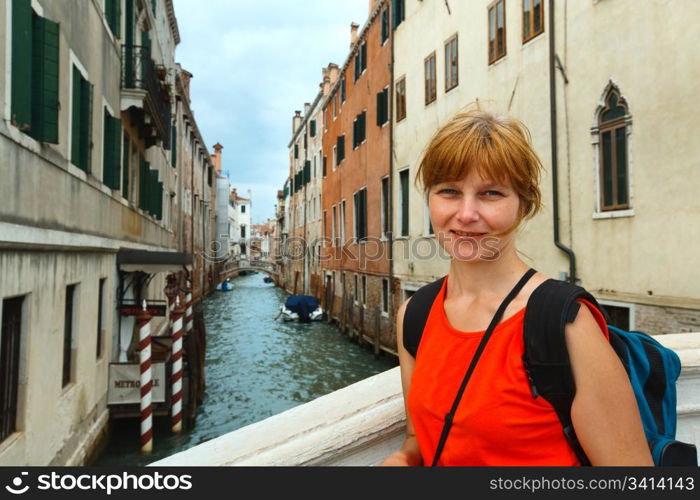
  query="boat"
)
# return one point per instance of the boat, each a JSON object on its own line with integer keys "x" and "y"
{"x": 224, "y": 286}
{"x": 302, "y": 308}
{"x": 267, "y": 279}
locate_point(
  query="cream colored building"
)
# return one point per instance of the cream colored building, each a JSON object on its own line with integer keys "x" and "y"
{"x": 624, "y": 83}
{"x": 96, "y": 208}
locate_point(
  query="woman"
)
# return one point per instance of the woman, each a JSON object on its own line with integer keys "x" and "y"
{"x": 481, "y": 176}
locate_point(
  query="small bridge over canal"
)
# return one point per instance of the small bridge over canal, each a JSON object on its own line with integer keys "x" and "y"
{"x": 233, "y": 269}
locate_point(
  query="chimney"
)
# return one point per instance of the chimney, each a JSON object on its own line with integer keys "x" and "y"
{"x": 186, "y": 76}
{"x": 333, "y": 73}
{"x": 217, "y": 156}
{"x": 296, "y": 121}
{"x": 326, "y": 83}
{"x": 307, "y": 108}
{"x": 353, "y": 33}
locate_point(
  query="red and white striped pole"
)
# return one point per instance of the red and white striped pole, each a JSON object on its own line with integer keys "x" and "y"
{"x": 189, "y": 316}
{"x": 176, "y": 405}
{"x": 143, "y": 321}
{"x": 171, "y": 292}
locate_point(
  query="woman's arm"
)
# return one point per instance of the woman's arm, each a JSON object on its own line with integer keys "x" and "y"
{"x": 409, "y": 454}
{"x": 604, "y": 411}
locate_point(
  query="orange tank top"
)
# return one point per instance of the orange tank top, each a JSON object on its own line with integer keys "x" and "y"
{"x": 498, "y": 422}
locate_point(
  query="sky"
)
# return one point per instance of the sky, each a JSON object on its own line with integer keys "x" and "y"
{"x": 254, "y": 63}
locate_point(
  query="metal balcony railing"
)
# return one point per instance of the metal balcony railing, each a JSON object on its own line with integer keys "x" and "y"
{"x": 140, "y": 72}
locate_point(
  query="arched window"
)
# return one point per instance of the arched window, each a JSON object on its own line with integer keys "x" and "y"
{"x": 612, "y": 131}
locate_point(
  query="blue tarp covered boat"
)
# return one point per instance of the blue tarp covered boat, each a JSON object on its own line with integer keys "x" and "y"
{"x": 305, "y": 308}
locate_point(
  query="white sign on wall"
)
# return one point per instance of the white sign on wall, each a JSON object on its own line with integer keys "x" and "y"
{"x": 125, "y": 383}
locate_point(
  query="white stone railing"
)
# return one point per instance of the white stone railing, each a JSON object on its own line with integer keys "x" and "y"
{"x": 362, "y": 423}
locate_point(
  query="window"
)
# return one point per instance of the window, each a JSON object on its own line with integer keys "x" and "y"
{"x": 34, "y": 86}
{"x": 385, "y": 26}
{"x": 399, "y": 10}
{"x": 403, "y": 180}
{"x": 242, "y": 209}
{"x": 497, "y": 30}
{"x": 358, "y": 130}
{"x": 385, "y": 207}
{"x": 341, "y": 223}
{"x": 614, "y": 171}
{"x": 312, "y": 128}
{"x": 383, "y": 107}
{"x": 533, "y": 19}
{"x": 451, "y": 64}
{"x": 125, "y": 167}
{"x": 242, "y": 231}
{"x": 100, "y": 312}
{"x": 430, "y": 79}
{"x": 325, "y": 161}
{"x": 68, "y": 335}
{"x": 81, "y": 131}
{"x": 173, "y": 146}
{"x": 111, "y": 151}
{"x": 334, "y": 218}
{"x": 356, "y": 290}
{"x": 360, "y": 202}
{"x": 364, "y": 289}
{"x": 401, "y": 99}
{"x": 385, "y": 295}
{"x": 342, "y": 89}
{"x": 325, "y": 226}
{"x": 360, "y": 60}
{"x": 296, "y": 151}
{"x": 340, "y": 151}
{"x": 335, "y": 104}
{"x": 10, "y": 338}
{"x": 619, "y": 316}
{"x": 113, "y": 15}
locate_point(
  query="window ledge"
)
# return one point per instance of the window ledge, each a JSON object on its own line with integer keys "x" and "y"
{"x": 614, "y": 214}
{"x": 75, "y": 171}
{"x": 401, "y": 238}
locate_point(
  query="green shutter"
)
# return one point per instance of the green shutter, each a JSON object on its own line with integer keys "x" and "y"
{"x": 44, "y": 81}
{"x": 86, "y": 124}
{"x": 107, "y": 163}
{"x": 404, "y": 202}
{"x": 116, "y": 151}
{"x": 117, "y": 28}
{"x": 143, "y": 177}
{"x": 21, "y": 63}
{"x": 363, "y": 57}
{"x": 159, "y": 201}
{"x": 75, "y": 117}
{"x": 307, "y": 171}
{"x": 125, "y": 167}
{"x": 313, "y": 128}
{"x": 152, "y": 195}
{"x": 173, "y": 146}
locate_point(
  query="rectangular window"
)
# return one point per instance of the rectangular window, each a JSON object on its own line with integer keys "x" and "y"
{"x": 34, "y": 63}
{"x": 325, "y": 161}
{"x": 111, "y": 151}
{"x": 383, "y": 107}
{"x": 360, "y": 212}
{"x": 399, "y": 10}
{"x": 533, "y": 19}
{"x": 451, "y": 64}
{"x": 401, "y": 99}
{"x": 100, "y": 313}
{"x": 342, "y": 89}
{"x": 385, "y": 26}
{"x": 312, "y": 128}
{"x": 340, "y": 152}
{"x": 341, "y": 223}
{"x": 430, "y": 79}
{"x": 359, "y": 130}
{"x": 81, "y": 131}
{"x": 296, "y": 151}
{"x": 385, "y": 207}
{"x": 361, "y": 60}
{"x": 10, "y": 338}
{"x": 68, "y": 334}
{"x": 242, "y": 231}
{"x": 403, "y": 180}
{"x": 324, "y": 227}
{"x": 497, "y": 30}
{"x": 385, "y": 295}
{"x": 364, "y": 289}
{"x": 242, "y": 209}
{"x": 614, "y": 167}
{"x": 113, "y": 15}
{"x": 334, "y": 218}
{"x": 125, "y": 167}
{"x": 173, "y": 146}
{"x": 356, "y": 290}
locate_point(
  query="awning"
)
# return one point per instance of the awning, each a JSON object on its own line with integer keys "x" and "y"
{"x": 131, "y": 260}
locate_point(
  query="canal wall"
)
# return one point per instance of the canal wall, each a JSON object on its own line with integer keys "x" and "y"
{"x": 362, "y": 423}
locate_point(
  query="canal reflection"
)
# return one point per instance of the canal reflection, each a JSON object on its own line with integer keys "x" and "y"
{"x": 256, "y": 367}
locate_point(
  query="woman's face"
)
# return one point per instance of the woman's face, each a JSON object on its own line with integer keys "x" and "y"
{"x": 469, "y": 217}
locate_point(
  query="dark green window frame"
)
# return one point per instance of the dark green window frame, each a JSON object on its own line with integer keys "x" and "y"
{"x": 359, "y": 130}
{"x": 35, "y": 75}
{"x": 113, "y": 14}
{"x": 111, "y": 153}
{"x": 398, "y": 8}
{"x": 81, "y": 129}
{"x": 340, "y": 150}
{"x": 403, "y": 181}
{"x": 360, "y": 205}
{"x": 385, "y": 26}
{"x": 383, "y": 107}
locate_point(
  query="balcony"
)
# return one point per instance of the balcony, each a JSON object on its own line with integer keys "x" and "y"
{"x": 145, "y": 88}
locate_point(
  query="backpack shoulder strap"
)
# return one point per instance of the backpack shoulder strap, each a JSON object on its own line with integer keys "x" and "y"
{"x": 416, "y": 314}
{"x": 546, "y": 359}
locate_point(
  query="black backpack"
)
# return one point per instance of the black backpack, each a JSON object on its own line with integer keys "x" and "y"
{"x": 652, "y": 368}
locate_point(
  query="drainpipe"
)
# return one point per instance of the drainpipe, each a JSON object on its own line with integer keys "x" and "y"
{"x": 390, "y": 194}
{"x": 555, "y": 178}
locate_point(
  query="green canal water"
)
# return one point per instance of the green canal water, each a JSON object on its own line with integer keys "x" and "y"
{"x": 256, "y": 367}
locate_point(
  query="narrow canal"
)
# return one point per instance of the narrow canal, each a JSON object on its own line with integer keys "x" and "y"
{"x": 256, "y": 367}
